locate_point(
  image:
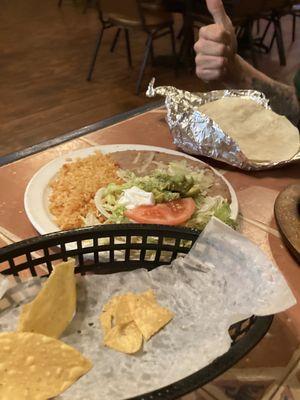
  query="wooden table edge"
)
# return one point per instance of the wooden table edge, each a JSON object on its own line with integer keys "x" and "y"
{"x": 77, "y": 133}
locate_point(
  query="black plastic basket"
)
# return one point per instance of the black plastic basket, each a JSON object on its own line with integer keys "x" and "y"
{"x": 128, "y": 247}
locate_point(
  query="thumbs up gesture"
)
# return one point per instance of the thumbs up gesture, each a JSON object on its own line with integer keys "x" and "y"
{"x": 216, "y": 47}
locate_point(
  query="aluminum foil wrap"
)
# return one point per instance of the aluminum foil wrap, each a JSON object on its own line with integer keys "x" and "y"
{"x": 195, "y": 133}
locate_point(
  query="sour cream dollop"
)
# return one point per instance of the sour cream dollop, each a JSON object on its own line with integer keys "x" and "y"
{"x": 134, "y": 197}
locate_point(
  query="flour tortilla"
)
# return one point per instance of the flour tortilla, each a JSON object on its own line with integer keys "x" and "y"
{"x": 262, "y": 135}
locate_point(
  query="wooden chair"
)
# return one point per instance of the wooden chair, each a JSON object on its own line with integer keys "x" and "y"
{"x": 295, "y": 12}
{"x": 134, "y": 16}
{"x": 272, "y": 12}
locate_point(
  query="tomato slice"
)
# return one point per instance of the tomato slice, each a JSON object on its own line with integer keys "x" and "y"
{"x": 174, "y": 212}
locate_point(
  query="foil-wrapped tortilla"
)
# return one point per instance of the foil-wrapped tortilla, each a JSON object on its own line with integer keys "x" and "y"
{"x": 195, "y": 133}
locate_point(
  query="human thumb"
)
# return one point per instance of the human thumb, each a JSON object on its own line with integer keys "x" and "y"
{"x": 217, "y": 11}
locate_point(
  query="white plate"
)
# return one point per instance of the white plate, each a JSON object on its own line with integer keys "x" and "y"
{"x": 37, "y": 191}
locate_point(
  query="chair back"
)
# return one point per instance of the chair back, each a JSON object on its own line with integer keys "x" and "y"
{"x": 128, "y": 9}
{"x": 144, "y": 13}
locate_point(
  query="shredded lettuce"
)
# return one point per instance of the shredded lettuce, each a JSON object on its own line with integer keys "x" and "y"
{"x": 168, "y": 182}
{"x": 223, "y": 212}
{"x": 206, "y": 207}
{"x": 117, "y": 216}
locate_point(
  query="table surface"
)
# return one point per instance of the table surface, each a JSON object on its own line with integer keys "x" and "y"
{"x": 272, "y": 369}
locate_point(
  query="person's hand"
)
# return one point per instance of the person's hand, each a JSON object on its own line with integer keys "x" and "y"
{"x": 216, "y": 46}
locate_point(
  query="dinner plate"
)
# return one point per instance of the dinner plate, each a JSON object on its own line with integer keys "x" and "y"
{"x": 37, "y": 191}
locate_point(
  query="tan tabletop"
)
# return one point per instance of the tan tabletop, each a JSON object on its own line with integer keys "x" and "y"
{"x": 272, "y": 369}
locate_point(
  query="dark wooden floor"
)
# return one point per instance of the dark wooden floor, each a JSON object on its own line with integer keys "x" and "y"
{"x": 45, "y": 52}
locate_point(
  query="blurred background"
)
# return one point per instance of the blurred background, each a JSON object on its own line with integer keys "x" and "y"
{"x": 69, "y": 63}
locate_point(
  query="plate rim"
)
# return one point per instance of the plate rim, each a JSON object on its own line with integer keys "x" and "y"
{"x": 52, "y": 167}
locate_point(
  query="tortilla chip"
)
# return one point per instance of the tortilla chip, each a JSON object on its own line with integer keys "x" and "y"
{"x": 108, "y": 313}
{"x": 127, "y": 318}
{"x": 54, "y": 307}
{"x": 148, "y": 295}
{"x": 105, "y": 321}
{"x": 37, "y": 367}
{"x": 125, "y": 338}
{"x": 125, "y": 304}
{"x": 118, "y": 310}
{"x": 150, "y": 317}
{"x": 111, "y": 304}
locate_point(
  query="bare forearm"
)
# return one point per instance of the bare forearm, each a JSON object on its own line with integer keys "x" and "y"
{"x": 282, "y": 97}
